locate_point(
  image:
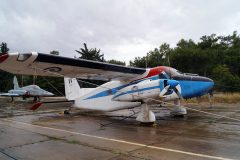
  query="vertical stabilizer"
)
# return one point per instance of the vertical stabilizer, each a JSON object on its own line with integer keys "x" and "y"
{"x": 72, "y": 88}
{"x": 15, "y": 83}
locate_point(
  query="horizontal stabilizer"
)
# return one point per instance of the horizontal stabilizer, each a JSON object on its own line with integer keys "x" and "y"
{"x": 38, "y": 104}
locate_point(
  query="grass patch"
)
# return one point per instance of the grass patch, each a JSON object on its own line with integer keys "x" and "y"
{"x": 227, "y": 98}
{"x": 73, "y": 142}
{"x": 217, "y": 98}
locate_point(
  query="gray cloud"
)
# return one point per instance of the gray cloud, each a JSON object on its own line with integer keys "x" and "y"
{"x": 121, "y": 29}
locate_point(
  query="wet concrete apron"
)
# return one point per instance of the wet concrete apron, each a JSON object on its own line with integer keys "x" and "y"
{"x": 48, "y": 134}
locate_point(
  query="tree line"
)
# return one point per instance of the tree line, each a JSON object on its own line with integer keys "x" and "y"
{"x": 217, "y": 57}
{"x": 213, "y": 56}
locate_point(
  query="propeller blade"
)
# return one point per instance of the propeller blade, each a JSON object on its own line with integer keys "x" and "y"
{"x": 171, "y": 85}
{"x": 164, "y": 91}
{"x": 178, "y": 93}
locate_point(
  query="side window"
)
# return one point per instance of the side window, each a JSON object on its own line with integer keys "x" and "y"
{"x": 23, "y": 57}
{"x": 134, "y": 88}
{"x": 163, "y": 75}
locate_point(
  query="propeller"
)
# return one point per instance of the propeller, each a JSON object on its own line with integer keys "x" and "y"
{"x": 164, "y": 91}
{"x": 178, "y": 93}
{"x": 170, "y": 84}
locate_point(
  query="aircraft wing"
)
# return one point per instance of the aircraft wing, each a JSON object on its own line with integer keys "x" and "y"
{"x": 9, "y": 95}
{"x": 50, "y": 65}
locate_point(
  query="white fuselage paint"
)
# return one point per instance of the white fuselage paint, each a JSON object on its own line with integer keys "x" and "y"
{"x": 103, "y": 98}
{"x": 139, "y": 91}
{"x": 103, "y": 103}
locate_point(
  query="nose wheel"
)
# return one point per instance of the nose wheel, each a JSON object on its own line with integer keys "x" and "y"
{"x": 178, "y": 110}
{"x": 36, "y": 99}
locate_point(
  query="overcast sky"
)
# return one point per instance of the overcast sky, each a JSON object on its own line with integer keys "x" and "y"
{"x": 122, "y": 29}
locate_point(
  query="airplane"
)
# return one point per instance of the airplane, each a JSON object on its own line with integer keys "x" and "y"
{"x": 126, "y": 87}
{"x": 27, "y": 91}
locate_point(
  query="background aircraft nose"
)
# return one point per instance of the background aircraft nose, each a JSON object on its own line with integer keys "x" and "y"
{"x": 50, "y": 94}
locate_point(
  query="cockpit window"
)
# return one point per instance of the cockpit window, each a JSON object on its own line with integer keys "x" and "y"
{"x": 35, "y": 86}
{"x": 24, "y": 56}
{"x": 179, "y": 72}
{"x": 172, "y": 72}
{"x": 163, "y": 75}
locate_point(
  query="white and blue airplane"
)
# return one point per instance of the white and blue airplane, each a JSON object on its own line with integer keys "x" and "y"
{"x": 127, "y": 87}
{"x": 27, "y": 91}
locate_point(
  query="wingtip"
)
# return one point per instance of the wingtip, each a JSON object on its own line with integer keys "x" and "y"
{"x": 3, "y": 57}
{"x": 36, "y": 106}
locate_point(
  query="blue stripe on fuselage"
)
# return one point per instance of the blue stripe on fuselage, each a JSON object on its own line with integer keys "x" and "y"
{"x": 134, "y": 91}
{"x": 110, "y": 91}
{"x": 114, "y": 90}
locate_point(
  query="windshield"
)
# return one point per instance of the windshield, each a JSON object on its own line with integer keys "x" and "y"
{"x": 172, "y": 72}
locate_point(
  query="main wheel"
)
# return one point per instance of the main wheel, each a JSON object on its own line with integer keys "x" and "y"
{"x": 66, "y": 112}
{"x": 35, "y": 99}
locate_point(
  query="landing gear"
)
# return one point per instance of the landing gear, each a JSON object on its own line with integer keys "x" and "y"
{"x": 210, "y": 97}
{"x": 12, "y": 99}
{"x": 36, "y": 99}
{"x": 66, "y": 112}
{"x": 178, "y": 110}
{"x": 146, "y": 115}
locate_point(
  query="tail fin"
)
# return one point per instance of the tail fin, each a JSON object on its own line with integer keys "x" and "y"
{"x": 15, "y": 83}
{"x": 72, "y": 88}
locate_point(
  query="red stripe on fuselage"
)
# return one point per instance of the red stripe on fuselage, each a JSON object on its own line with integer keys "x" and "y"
{"x": 156, "y": 71}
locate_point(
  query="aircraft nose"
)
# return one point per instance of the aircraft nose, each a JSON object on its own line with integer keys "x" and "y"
{"x": 209, "y": 83}
{"x": 50, "y": 94}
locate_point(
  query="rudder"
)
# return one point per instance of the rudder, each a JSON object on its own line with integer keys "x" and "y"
{"x": 72, "y": 88}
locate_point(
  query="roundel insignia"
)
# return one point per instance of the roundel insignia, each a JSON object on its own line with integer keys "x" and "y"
{"x": 53, "y": 69}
